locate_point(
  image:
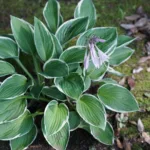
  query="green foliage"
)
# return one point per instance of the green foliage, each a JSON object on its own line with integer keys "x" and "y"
{"x": 59, "y": 78}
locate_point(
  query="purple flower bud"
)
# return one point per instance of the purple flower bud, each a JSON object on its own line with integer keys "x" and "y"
{"x": 86, "y": 61}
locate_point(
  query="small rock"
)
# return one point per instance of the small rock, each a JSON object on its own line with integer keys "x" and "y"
{"x": 141, "y": 22}
{"x": 132, "y": 17}
{"x": 127, "y": 26}
{"x": 138, "y": 70}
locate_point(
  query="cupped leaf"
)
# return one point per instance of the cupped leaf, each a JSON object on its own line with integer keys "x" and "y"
{"x": 117, "y": 98}
{"x": 73, "y": 54}
{"x": 124, "y": 40}
{"x": 11, "y": 109}
{"x": 71, "y": 85}
{"x": 13, "y": 86}
{"x": 107, "y": 33}
{"x": 105, "y": 136}
{"x": 23, "y": 34}
{"x": 55, "y": 117}
{"x": 6, "y": 68}
{"x": 17, "y": 127}
{"x": 51, "y": 14}
{"x": 53, "y": 92}
{"x": 120, "y": 55}
{"x": 24, "y": 141}
{"x": 43, "y": 40}
{"x": 8, "y": 48}
{"x": 73, "y": 67}
{"x": 71, "y": 29}
{"x": 96, "y": 73}
{"x": 82, "y": 11}
{"x": 74, "y": 120}
{"x": 92, "y": 111}
{"x": 59, "y": 140}
{"x": 55, "y": 68}
{"x": 107, "y": 80}
{"x": 87, "y": 82}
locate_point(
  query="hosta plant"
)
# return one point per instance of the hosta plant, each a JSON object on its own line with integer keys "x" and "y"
{"x": 49, "y": 68}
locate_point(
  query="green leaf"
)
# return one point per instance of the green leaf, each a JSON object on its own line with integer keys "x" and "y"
{"x": 120, "y": 55}
{"x": 115, "y": 72}
{"x": 71, "y": 85}
{"x": 24, "y": 141}
{"x": 43, "y": 40}
{"x": 82, "y": 11}
{"x": 105, "y": 136}
{"x": 96, "y": 73}
{"x": 55, "y": 68}
{"x": 59, "y": 140}
{"x": 107, "y": 80}
{"x": 73, "y": 67}
{"x": 55, "y": 117}
{"x": 87, "y": 82}
{"x": 8, "y": 48}
{"x": 23, "y": 34}
{"x": 124, "y": 40}
{"x": 11, "y": 109}
{"x": 17, "y": 127}
{"x": 51, "y": 14}
{"x": 117, "y": 98}
{"x": 6, "y": 68}
{"x": 107, "y": 33}
{"x": 53, "y": 92}
{"x": 92, "y": 111}
{"x": 73, "y": 54}
{"x": 71, "y": 29}
{"x": 13, "y": 86}
{"x": 74, "y": 120}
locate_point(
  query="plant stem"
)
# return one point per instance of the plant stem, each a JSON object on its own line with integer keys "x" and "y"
{"x": 24, "y": 69}
{"x": 37, "y": 114}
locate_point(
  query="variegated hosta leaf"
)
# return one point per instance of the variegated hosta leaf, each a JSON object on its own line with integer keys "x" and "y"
{"x": 105, "y": 136}
{"x": 86, "y": 8}
{"x": 58, "y": 140}
{"x": 23, "y": 34}
{"x": 55, "y": 68}
{"x": 71, "y": 29}
{"x": 51, "y": 14}
{"x": 6, "y": 68}
{"x": 74, "y": 120}
{"x": 73, "y": 54}
{"x": 24, "y": 141}
{"x": 53, "y": 92}
{"x": 11, "y": 109}
{"x": 120, "y": 55}
{"x": 87, "y": 82}
{"x": 17, "y": 127}
{"x": 13, "y": 86}
{"x": 107, "y": 33}
{"x": 55, "y": 117}
{"x": 71, "y": 85}
{"x": 8, "y": 48}
{"x": 117, "y": 98}
{"x": 115, "y": 72}
{"x": 92, "y": 111}
{"x": 124, "y": 40}
{"x": 43, "y": 40}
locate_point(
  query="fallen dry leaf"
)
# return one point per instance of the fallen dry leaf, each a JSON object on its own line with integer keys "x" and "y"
{"x": 119, "y": 144}
{"x": 144, "y": 59}
{"x": 138, "y": 70}
{"x": 133, "y": 17}
{"x": 126, "y": 144}
{"x": 131, "y": 82}
{"x": 122, "y": 81}
{"x": 133, "y": 122}
{"x": 147, "y": 95}
{"x": 148, "y": 69}
{"x": 140, "y": 126}
{"x": 148, "y": 48}
{"x": 127, "y": 26}
{"x": 141, "y": 22}
{"x": 140, "y": 10}
{"x": 146, "y": 137}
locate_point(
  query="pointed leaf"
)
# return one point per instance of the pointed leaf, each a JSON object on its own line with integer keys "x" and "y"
{"x": 16, "y": 128}
{"x": 55, "y": 117}
{"x": 12, "y": 109}
{"x": 117, "y": 98}
{"x": 82, "y": 11}
{"x": 8, "y": 48}
{"x": 71, "y": 29}
{"x": 87, "y": 82}
{"x": 23, "y": 34}
{"x": 24, "y": 141}
{"x": 43, "y": 40}
{"x": 73, "y": 54}
{"x": 104, "y": 136}
{"x": 13, "y": 86}
{"x": 6, "y": 68}
{"x": 71, "y": 85}
{"x": 92, "y": 111}
{"x": 55, "y": 68}
{"x": 115, "y": 72}
{"x": 120, "y": 55}
{"x": 51, "y": 14}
